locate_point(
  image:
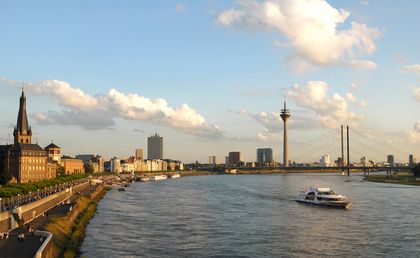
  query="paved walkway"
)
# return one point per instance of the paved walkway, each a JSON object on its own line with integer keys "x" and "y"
{"x": 11, "y": 247}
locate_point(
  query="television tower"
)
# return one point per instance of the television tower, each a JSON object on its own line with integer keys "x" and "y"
{"x": 285, "y": 114}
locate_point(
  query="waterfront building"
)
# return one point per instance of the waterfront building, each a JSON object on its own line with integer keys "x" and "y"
{"x": 73, "y": 166}
{"x": 27, "y": 162}
{"x": 411, "y": 160}
{"x": 115, "y": 165}
{"x": 264, "y": 155}
{"x": 53, "y": 152}
{"x": 139, "y": 154}
{"x": 364, "y": 161}
{"x": 325, "y": 161}
{"x": 212, "y": 160}
{"x": 234, "y": 158}
{"x": 155, "y": 147}
{"x": 390, "y": 160}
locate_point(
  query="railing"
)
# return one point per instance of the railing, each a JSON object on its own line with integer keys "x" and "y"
{"x": 9, "y": 203}
{"x": 44, "y": 247}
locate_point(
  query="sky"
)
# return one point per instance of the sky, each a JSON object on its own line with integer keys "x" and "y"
{"x": 211, "y": 76}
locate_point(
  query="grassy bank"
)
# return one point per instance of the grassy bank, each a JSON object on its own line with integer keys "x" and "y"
{"x": 68, "y": 232}
{"x": 400, "y": 178}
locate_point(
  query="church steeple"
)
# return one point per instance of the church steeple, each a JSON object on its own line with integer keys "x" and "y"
{"x": 22, "y": 132}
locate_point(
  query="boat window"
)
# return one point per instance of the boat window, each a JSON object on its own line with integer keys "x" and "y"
{"x": 310, "y": 196}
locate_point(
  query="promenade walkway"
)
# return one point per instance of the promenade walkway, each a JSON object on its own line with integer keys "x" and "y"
{"x": 11, "y": 247}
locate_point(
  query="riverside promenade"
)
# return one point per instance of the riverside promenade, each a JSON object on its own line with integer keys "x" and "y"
{"x": 12, "y": 247}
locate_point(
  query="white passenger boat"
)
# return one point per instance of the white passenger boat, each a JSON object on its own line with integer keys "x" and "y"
{"x": 175, "y": 175}
{"x": 158, "y": 177}
{"x": 323, "y": 196}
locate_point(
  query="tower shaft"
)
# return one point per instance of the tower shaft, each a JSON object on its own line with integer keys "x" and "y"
{"x": 285, "y": 114}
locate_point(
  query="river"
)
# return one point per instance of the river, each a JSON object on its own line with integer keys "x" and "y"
{"x": 254, "y": 216}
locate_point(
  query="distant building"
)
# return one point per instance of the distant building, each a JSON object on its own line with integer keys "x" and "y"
{"x": 85, "y": 157}
{"x": 212, "y": 160}
{"x": 390, "y": 160}
{"x": 325, "y": 161}
{"x": 264, "y": 155}
{"x": 364, "y": 161}
{"x": 139, "y": 154}
{"x": 411, "y": 160}
{"x": 234, "y": 158}
{"x": 155, "y": 147}
{"x": 73, "y": 166}
{"x": 115, "y": 165}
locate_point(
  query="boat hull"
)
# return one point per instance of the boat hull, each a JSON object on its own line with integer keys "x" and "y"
{"x": 335, "y": 204}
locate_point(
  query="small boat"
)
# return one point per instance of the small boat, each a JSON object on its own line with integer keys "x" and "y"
{"x": 323, "y": 196}
{"x": 144, "y": 179}
{"x": 121, "y": 189}
{"x": 158, "y": 177}
{"x": 175, "y": 175}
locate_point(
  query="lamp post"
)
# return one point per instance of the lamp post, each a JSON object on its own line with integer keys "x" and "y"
{"x": 18, "y": 200}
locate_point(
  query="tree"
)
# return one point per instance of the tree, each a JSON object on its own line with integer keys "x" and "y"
{"x": 60, "y": 170}
{"x": 88, "y": 167}
{"x": 5, "y": 176}
{"x": 416, "y": 170}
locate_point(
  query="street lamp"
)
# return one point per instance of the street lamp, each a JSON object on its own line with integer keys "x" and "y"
{"x": 18, "y": 200}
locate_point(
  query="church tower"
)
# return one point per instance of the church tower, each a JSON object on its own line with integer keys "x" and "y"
{"x": 22, "y": 132}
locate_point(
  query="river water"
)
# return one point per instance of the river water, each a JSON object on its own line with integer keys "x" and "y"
{"x": 254, "y": 216}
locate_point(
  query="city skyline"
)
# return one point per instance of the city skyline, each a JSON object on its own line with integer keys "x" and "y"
{"x": 211, "y": 76}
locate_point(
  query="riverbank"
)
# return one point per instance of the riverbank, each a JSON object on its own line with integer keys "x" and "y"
{"x": 69, "y": 230}
{"x": 402, "y": 178}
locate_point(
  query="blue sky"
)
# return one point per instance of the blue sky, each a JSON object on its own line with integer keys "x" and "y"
{"x": 210, "y": 76}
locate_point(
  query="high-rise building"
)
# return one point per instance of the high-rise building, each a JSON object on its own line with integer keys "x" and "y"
{"x": 411, "y": 160}
{"x": 139, "y": 154}
{"x": 285, "y": 115}
{"x": 234, "y": 158}
{"x": 212, "y": 160}
{"x": 155, "y": 147}
{"x": 325, "y": 161}
{"x": 390, "y": 160}
{"x": 264, "y": 155}
{"x": 364, "y": 161}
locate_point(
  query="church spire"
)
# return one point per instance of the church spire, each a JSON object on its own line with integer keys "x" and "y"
{"x": 22, "y": 132}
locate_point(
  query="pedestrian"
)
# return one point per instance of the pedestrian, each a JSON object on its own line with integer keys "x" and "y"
{"x": 23, "y": 237}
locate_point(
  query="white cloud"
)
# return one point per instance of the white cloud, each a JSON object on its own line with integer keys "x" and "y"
{"x": 311, "y": 28}
{"x": 415, "y": 68}
{"x": 331, "y": 111}
{"x": 64, "y": 93}
{"x": 96, "y": 112}
{"x": 179, "y": 7}
{"x": 416, "y": 92}
{"x": 267, "y": 135}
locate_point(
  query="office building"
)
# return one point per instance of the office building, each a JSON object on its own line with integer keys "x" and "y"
{"x": 139, "y": 154}
{"x": 155, "y": 147}
{"x": 264, "y": 155}
{"x": 212, "y": 160}
{"x": 411, "y": 160}
{"x": 390, "y": 160}
{"x": 234, "y": 158}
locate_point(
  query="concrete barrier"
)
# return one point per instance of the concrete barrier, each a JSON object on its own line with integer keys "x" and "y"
{"x": 30, "y": 211}
{"x": 45, "y": 250}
